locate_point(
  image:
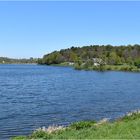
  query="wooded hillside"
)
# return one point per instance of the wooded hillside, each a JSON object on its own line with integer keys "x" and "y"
{"x": 111, "y": 55}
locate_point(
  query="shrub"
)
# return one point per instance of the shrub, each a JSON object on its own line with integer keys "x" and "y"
{"x": 82, "y": 125}
{"x": 125, "y": 68}
{"x": 40, "y": 134}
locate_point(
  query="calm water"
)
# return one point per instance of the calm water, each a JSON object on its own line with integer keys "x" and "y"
{"x": 32, "y": 96}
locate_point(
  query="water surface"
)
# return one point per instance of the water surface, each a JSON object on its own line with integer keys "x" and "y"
{"x": 32, "y": 96}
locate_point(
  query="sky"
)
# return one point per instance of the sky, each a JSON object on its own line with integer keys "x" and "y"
{"x": 32, "y": 29}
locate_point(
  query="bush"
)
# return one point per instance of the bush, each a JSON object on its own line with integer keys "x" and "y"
{"x": 40, "y": 134}
{"x": 137, "y": 62}
{"x": 77, "y": 67}
{"x": 125, "y": 68}
{"x": 82, "y": 125}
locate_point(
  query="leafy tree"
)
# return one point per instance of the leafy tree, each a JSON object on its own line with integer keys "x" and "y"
{"x": 137, "y": 62}
{"x": 73, "y": 57}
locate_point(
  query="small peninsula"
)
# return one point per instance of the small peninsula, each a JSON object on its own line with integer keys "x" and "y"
{"x": 96, "y": 57}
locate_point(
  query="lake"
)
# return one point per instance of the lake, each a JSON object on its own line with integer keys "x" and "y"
{"x": 32, "y": 96}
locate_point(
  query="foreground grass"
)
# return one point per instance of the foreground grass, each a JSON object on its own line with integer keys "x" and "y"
{"x": 127, "y": 127}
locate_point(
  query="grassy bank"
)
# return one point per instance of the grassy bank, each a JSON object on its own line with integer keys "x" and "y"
{"x": 127, "y": 127}
{"x": 123, "y": 67}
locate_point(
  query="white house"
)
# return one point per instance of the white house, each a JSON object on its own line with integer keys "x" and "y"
{"x": 98, "y": 61}
{"x": 71, "y": 63}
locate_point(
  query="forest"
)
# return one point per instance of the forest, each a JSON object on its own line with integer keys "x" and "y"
{"x": 109, "y": 57}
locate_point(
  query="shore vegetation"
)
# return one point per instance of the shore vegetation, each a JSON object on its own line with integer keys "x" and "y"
{"x": 126, "y": 127}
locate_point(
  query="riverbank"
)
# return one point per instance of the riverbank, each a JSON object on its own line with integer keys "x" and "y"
{"x": 123, "y": 67}
{"x": 127, "y": 127}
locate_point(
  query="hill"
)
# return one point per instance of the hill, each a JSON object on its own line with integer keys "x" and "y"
{"x": 103, "y": 57}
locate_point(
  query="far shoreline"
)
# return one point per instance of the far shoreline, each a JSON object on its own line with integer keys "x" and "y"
{"x": 79, "y": 69}
{"x": 116, "y": 68}
{"x": 19, "y": 64}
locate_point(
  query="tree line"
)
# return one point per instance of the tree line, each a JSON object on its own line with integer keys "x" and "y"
{"x": 111, "y": 55}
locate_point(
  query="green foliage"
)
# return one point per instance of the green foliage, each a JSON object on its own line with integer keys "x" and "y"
{"x": 53, "y": 58}
{"x": 39, "y": 61}
{"x": 137, "y": 62}
{"x": 83, "y": 57}
{"x": 124, "y": 67}
{"x": 87, "y": 64}
{"x": 130, "y": 61}
{"x": 77, "y": 66}
{"x": 40, "y": 134}
{"x": 82, "y": 125}
{"x": 114, "y": 59}
{"x": 73, "y": 57}
{"x": 113, "y": 55}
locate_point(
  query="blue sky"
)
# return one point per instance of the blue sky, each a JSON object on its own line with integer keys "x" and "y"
{"x": 32, "y": 29}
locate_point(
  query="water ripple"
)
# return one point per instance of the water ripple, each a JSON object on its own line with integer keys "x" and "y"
{"x": 32, "y": 96}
